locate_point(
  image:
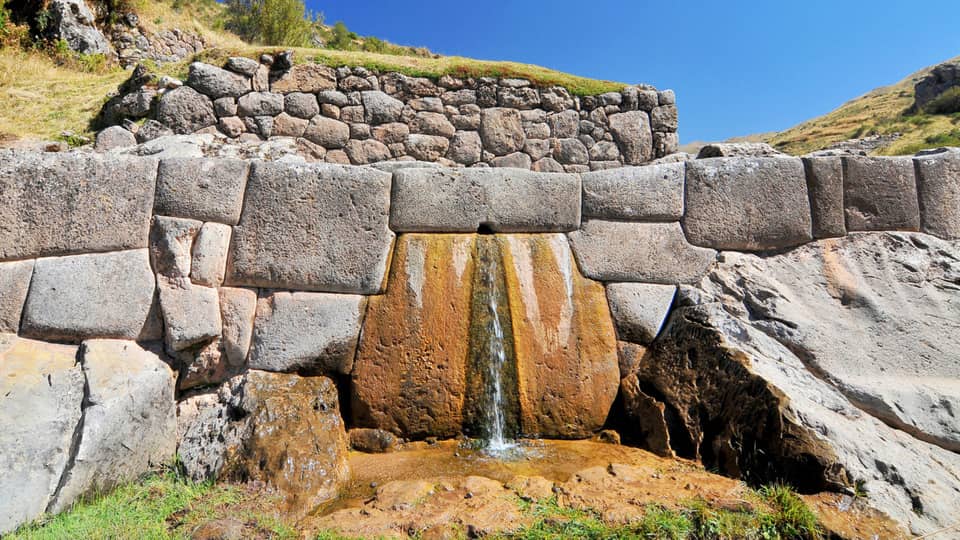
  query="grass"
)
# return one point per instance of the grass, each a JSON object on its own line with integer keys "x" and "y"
{"x": 776, "y": 513}
{"x": 882, "y": 111}
{"x": 158, "y": 508}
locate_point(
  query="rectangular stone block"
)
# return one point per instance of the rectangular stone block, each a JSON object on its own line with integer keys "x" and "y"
{"x": 938, "y": 186}
{"x": 644, "y": 252}
{"x": 747, "y": 203}
{"x": 500, "y": 200}
{"x": 14, "y": 282}
{"x": 880, "y": 194}
{"x": 315, "y": 332}
{"x": 238, "y": 307}
{"x": 313, "y": 228}
{"x": 103, "y": 295}
{"x": 191, "y": 313}
{"x": 65, "y": 203}
{"x": 825, "y": 187}
{"x": 201, "y": 188}
{"x": 651, "y": 193}
{"x": 210, "y": 249}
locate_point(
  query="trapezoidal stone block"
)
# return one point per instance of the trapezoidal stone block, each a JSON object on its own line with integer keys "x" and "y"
{"x": 463, "y": 200}
{"x": 314, "y": 332}
{"x": 880, "y": 194}
{"x": 101, "y": 295}
{"x": 65, "y": 203}
{"x": 563, "y": 339}
{"x": 651, "y": 193}
{"x": 644, "y": 252}
{"x": 409, "y": 377}
{"x": 747, "y": 203}
{"x": 201, "y": 188}
{"x": 938, "y": 185}
{"x": 313, "y": 228}
{"x": 639, "y": 309}
{"x": 41, "y": 393}
{"x": 825, "y": 187}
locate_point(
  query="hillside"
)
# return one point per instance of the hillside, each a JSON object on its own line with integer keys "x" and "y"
{"x": 882, "y": 111}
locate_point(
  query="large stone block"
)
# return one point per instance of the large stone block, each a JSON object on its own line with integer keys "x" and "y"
{"x": 104, "y": 295}
{"x": 825, "y": 187}
{"x": 209, "y": 258}
{"x": 314, "y": 332}
{"x": 747, "y": 204}
{"x": 14, "y": 282}
{"x": 463, "y": 200}
{"x": 313, "y": 227}
{"x": 631, "y": 131}
{"x": 41, "y": 393}
{"x": 309, "y": 78}
{"x": 938, "y": 185}
{"x": 639, "y": 309}
{"x": 216, "y": 82}
{"x": 501, "y": 131}
{"x": 200, "y": 188}
{"x": 880, "y": 194}
{"x": 129, "y": 420}
{"x": 647, "y": 252}
{"x": 651, "y": 193}
{"x": 171, "y": 241}
{"x": 58, "y": 204}
{"x": 191, "y": 313}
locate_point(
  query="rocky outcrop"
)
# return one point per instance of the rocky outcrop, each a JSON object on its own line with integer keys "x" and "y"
{"x": 829, "y": 365}
{"x": 73, "y": 22}
{"x": 353, "y": 115}
{"x": 939, "y": 80}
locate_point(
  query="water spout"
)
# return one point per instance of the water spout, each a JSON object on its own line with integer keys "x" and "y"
{"x": 497, "y": 359}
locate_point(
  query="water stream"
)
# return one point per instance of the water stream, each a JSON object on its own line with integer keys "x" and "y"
{"x": 496, "y": 361}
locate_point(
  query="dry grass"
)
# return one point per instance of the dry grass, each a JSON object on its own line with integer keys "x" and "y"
{"x": 39, "y": 99}
{"x": 881, "y": 111}
{"x": 202, "y": 17}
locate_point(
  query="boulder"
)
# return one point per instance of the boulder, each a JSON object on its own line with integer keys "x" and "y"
{"x": 938, "y": 187}
{"x": 393, "y": 133}
{"x": 207, "y": 431}
{"x": 285, "y": 125}
{"x": 14, "y": 282}
{"x": 731, "y": 203}
{"x": 432, "y": 123}
{"x": 501, "y": 131}
{"x": 260, "y": 104}
{"x": 209, "y": 258}
{"x": 311, "y": 332}
{"x": 380, "y": 108}
{"x": 664, "y": 118}
{"x": 564, "y": 125}
{"x": 364, "y": 152}
{"x": 171, "y": 242}
{"x": 518, "y": 98}
{"x": 191, "y": 313}
{"x": 570, "y": 152}
{"x": 843, "y": 358}
{"x": 639, "y": 309}
{"x": 746, "y": 149}
{"x": 238, "y": 308}
{"x": 45, "y": 210}
{"x": 463, "y": 200}
{"x": 372, "y": 441}
{"x": 516, "y": 160}
{"x": 243, "y": 66}
{"x": 301, "y": 105}
{"x": 563, "y": 339}
{"x": 215, "y": 82}
{"x": 825, "y": 186}
{"x": 41, "y": 394}
{"x": 327, "y": 132}
{"x": 631, "y": 131}
{"x": 185, "y": 111}
{"x": 426, "y": 147}
{"x": 73, "y": 22}
{"x": 114, "y": 137}
{"x": 129, "y": 422}
{"x": 313, "y": 228}
{"x": 880, "y": 194}
{"x": 103, "y": 295}
{"x": 306, "y": 78}
{"x": 465, "y": 147}
{"x": 200, "y": 188}
{"x": 647, "y": 252}
{"x": 409, "y": 377}
{"x": 651, "y": 193}
{"x": 295, "y": 441}
{"x": 151, "y": 129}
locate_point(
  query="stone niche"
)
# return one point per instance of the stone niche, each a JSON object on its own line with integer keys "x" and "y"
{"x": 417, "y": 371}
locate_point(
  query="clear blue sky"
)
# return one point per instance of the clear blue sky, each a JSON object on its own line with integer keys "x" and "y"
{"x": 738, "y": 67}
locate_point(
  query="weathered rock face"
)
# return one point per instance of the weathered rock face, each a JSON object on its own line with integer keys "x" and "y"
{"x": 295, "y": 439}
{"x": 832, "y": 364}
{"x": 73, "y": 22}
{"x": 564, "y": 342}
{"x": 410, "y": 374}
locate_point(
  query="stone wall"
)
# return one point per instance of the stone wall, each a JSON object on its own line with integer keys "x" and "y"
{"x": 136, "y": 279}
{"x": 354, "y": 116}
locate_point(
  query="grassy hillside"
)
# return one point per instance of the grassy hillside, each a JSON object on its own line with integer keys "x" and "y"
{"x": 880, "y": 112}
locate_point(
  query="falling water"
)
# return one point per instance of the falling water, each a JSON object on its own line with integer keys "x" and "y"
{"x": 497, "y": 359}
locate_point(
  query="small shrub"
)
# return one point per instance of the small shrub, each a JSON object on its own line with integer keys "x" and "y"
{"x": 946, "y": 103}
{"x": 341, "y": 38}
{"x": 272, "y": 22}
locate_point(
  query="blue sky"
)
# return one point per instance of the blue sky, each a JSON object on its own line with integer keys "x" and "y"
{"x": 738, "y": 67}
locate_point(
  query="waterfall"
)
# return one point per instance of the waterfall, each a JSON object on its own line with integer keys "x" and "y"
{"x": 496, "y": 361}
